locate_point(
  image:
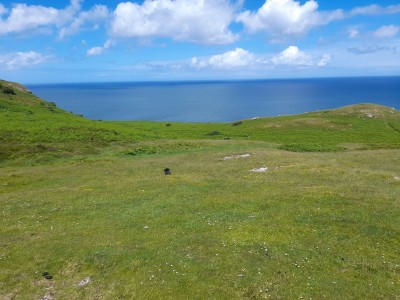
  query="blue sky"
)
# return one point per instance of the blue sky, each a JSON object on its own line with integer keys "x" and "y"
{"x": 97, "y": 41}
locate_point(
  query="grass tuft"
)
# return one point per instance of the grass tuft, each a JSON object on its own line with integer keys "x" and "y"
{"x": 311, "y": 148}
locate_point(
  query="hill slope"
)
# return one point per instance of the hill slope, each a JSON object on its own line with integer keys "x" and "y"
{"x": 236, "y": 219}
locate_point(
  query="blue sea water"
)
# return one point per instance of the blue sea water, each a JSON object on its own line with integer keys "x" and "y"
{"x": 217, "y": 101}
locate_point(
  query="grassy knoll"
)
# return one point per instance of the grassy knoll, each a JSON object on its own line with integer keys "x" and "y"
{"x": 92, "y": 203}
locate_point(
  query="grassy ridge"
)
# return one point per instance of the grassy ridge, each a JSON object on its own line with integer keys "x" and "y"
{"x": 85, "y": 199}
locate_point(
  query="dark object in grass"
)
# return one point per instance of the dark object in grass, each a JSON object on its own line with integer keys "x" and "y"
{"x": 213, "y": 133}
{"x": 237, "y": 123}
{"x": 48, "y": 277}
{"x": 167, "y": 171}
{"x": 8, "y": 90}
{"x": 45, "y": 273}
{"x": 168, "y": 124}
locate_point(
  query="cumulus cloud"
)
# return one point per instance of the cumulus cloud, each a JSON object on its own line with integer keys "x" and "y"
{"x": 70, "y": 20}
{"x": 237, "y": 58}
{"x": 99, "y": 50}
{"x": 182, "y": 20}
{"x": 243, "y": 59}
{"x": 18, "y": 60}
{"x": 287, "y": 18}
{"x": 387, "y": 31}
{"x": 92, "y": 17}
{"x": 292, "y": 56}
{"x": 27, "y": 17}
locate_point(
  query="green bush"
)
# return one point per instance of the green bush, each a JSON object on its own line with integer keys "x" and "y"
{"x": 237, "y": 123}
{"x": 213, "y": 133}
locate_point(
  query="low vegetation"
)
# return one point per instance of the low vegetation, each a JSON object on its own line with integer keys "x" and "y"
{"x": 87, "y": 212}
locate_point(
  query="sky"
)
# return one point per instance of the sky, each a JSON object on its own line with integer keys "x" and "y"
{"x": 51, "y": 41}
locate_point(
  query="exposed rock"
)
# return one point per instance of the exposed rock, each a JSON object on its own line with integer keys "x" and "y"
{"x": 260, "y": 170}
{"x": 236, "y": 156}
{"x": 47, "y": 297}
{"x": 84, "y": 281}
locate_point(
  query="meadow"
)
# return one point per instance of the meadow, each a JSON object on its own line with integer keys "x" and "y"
{"x": 303, "y": 206}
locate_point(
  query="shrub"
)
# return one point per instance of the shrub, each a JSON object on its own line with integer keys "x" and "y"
{"x": 8, "y": 90}
{"x": 213, "y": 133}
{"x": 237, "y": 123}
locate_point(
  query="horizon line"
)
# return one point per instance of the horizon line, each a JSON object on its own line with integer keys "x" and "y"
{"x": 209, "y": 80}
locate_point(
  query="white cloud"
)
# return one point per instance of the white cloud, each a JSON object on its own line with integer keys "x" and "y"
{"x": 376, "y": 10}
{"x": 353, "y": 33}
{"x": 67, "y": 14}
{"x": 387, "y": 31}
{"x": 243, "y": 59}
{"x": 18, "y": 60}
{"x": 238, "y": 58}
{"x": 95, "y": 51}
{"x": 292, "y": 56}
{"x": 27, "y": 18}
{"x": 367, "y": 49}
{"x": 324, "y": 60}
{"x": 182, "y": 20}
{"x": 99, "y": 50}
{"x": 96, "y": 14}
{"x": 3, "y": 10}
{"x": 287, "y": 18}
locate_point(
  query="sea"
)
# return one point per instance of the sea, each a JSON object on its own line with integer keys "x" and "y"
{"x": 216, "y": 101}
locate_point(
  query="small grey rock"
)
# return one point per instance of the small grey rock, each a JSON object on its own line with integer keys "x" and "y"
{"x": 84, "y": 281}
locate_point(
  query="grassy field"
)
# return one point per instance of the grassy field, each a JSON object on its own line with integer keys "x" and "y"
{"x": 88, "y": 202}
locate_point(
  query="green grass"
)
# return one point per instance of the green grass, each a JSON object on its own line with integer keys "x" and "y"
{"x": 92, "y": 201}
{"x": 315, "y": 225}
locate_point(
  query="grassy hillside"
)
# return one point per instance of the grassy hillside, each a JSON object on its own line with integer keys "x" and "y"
{"x": 88, "y": 202}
